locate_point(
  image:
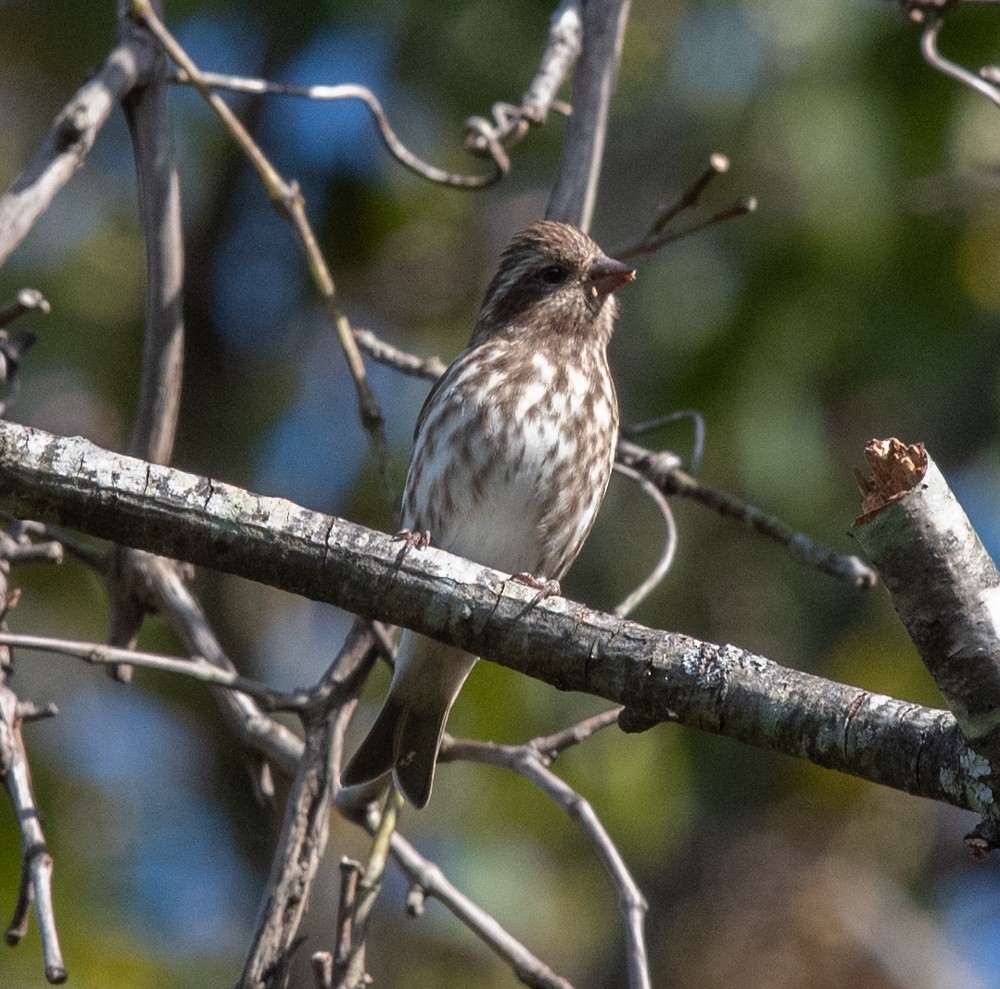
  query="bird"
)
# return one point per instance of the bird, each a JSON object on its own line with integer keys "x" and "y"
{"x": 513, "y": 450}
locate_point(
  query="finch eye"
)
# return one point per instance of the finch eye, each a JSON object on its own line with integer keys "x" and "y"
{"x": 553, "y": 275}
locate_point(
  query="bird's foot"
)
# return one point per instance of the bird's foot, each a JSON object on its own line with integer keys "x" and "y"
{"x": 545, "y": 589}
{"x": 418, "y": 540}
{"x": 411, "y": 540}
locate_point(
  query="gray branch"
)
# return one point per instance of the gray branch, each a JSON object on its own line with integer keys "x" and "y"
{"x": 657, "y": 675}
{"x": 575, "y": 190}
{"x": 945, "y": 588}
{"x": 70, "y": 138}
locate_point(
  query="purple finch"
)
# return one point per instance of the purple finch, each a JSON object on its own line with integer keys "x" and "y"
{"x": 512, "y": 455}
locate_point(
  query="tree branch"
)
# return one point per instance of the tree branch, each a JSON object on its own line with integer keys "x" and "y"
{"x": 70, "y": 138}
{"x": 575, "y": 190}
{"x": 944, "y": 586}
{"x": 657, "y": 675}
{"x": 307, "y": 813}
{"x": 287, "y": 199}
{"x": 158, "y": 408}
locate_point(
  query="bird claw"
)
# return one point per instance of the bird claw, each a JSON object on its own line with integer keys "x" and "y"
{"x": 418, "y": 540}
{"x": 545, "y": 589}
{"x": 411, "y": 540}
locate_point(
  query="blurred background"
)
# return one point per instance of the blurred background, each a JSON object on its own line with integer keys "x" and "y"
{"x": 861, "y": 300}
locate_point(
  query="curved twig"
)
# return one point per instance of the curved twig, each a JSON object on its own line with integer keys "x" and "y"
{"x": 354, "y": 91}
{"x": 928, "y": 48}
{"x": 531, "y": 761}
{"x": 697, "y": 421}
{"x": 669, "y": 546}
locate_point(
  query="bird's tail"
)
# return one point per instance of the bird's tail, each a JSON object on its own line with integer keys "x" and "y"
{"x": 406, "y": 735}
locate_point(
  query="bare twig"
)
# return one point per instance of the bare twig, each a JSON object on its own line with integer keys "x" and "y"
{"x": 494, "y": 138}
{"x": 631, "y": 432}
{"x": 428, "y": 876}
{"x": 384, "y": 353}
{"x": 659, "y": 233}
{"x": 22, "y": 529}
{"x": 353, "y": 91}
{"x": 288, "y": 200}
{"x": 181, "y": 610}
{"x": 562, "y": 48}
{"x": 158, "y": 406}
{"x": 669, "y": 544}
{"x": 16, "y": 545}
{"x": 194, "y": 667}
{"x": 350, "y": 873}
{"x": 653, "y": 243}
{"x": 671, "y": 480}
{"x": 160, "y": 213}
{"x": 929, "y": 49}
{"x": 551, "y": 746}
{"x": 304, "y": 827}
{"x": 36, "y": 862}
{"x": 349, "y": 972}
{"x": 531, "y": 761}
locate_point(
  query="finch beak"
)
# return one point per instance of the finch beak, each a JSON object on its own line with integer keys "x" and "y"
{"x": 606, "y": 275}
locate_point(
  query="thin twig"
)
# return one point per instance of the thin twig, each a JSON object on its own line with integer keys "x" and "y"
{"x": 194, "y": 667}
{"x": 631, "y": 432}
{"x": 718, "y": 164}
{"x": 36, "y": 862}
{"x": 351, "y": 973}
{"x": 304, "y": 828}
{"x": 182, "y": 611}
{"x": 653, "y": 243}
{"x": 672, "y": 481}
{"x": 290, "y": 204}
{"x": 669, "y": 544}
{"x": 531, "y": 761}
{"x": 77, "y": 548}
{"x": 378, "y": 350}
{"x": 929, "y": 49}
{"x": 551, "y": 746}
{"x": 428, "y": 876}
{"x": 350, "y": 873}
{"x": 353, "y": 91}
{"x": 18, "y": 548}
{"x": 494, "y": 138}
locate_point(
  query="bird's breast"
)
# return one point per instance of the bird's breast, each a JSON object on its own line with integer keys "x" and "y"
{"x": 511, "y": 465}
